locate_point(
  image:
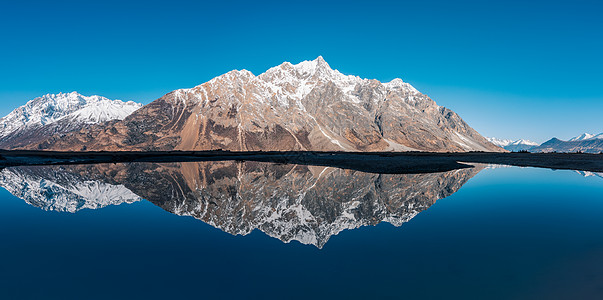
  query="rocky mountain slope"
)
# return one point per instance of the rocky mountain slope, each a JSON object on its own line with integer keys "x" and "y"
{"x": 510, "y": 145}
{"x": 54, "y": 115}
{"x": 307, "y": 106}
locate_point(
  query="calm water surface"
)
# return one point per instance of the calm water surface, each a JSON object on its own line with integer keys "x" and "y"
{"x": 225, "y": 230}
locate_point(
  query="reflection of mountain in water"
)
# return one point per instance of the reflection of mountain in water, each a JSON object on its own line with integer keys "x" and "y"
{"x": 58, "y": 189}
{"x": 289, "y": 202}
{"x": 589, "y": 174}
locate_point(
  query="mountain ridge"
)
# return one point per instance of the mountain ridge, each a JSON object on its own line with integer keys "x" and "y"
{"x": 307, "y": 106}
{"x": 586, "y": 137}
{"x": 512, "y": 145}
{"x": 557, "y": 145}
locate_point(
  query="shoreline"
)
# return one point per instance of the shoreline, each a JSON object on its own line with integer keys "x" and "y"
{"x": 371, "y": 162}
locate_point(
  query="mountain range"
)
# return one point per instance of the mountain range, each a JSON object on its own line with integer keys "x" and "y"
{"x": 517, "y": 145}
{"x": 587, "y": 143}
{"x": 593, "y": 145}
{"x": 587, "y": 137}
{"x": 306, "y": 106}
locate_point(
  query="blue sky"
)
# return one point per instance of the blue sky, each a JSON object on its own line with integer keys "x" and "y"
{"x": 511, "y": 69}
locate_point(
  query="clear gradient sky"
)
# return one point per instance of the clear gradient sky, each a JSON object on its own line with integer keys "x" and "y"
{"x": 511, "y": 69}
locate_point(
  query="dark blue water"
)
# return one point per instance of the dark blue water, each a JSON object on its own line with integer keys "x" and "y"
{"x": 508, "y": 233}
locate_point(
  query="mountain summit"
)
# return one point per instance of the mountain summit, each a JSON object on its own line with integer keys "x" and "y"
{"x": 304, "y": 106}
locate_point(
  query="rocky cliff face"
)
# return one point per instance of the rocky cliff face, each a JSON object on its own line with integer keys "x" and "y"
{"x": 307, "y": 106}
{"x": 289, "y": 202}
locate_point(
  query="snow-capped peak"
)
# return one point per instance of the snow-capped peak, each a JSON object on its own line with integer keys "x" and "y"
{"x": 311, "y": 67}
{"x": 499, "y": 142}
{"x": 398, "y": 83}
{"x": 73, "y": 106}
{"x": 586, "y": 136}
{"x": 289, "y": 83}
{"x": 524, "y": 142}
{"x": 512, "y": 145}
{"x": 308, "y": 69}
{"x": 507, "y": 142}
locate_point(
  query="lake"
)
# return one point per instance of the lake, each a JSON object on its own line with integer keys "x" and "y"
{"x": 251, "y": 230}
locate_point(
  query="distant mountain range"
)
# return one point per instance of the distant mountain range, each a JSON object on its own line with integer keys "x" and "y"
{"x": 587, "y": 137}
{"x": 557, "y": 145}
{"x": 587, "y": 143}
{"x": 517, "y": 145}
{"x": 307, "y": 106}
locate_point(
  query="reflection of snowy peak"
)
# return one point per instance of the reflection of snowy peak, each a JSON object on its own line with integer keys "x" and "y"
{"x": 307, "y": 204}
{"x": 59, "y": 114}
{"x": 589, "y": 174}
{"x": 56, "y": 190}
{"x": 302, "y": 203}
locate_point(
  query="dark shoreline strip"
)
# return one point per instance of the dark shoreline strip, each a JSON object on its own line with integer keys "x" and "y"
{"x": 372, "y": 162}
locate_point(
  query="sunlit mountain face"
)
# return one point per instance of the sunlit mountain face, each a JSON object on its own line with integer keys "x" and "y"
{"x": 307, "y": 106}
{"x": 307, "y": 204}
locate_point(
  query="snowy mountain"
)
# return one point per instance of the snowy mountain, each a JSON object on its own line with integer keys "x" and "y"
{"x": 587, "y": 137}
{"x": 57, "y": 114}
{"x": 582, "y": 137}
{"x": 307, "y": 106}
{"x": 517, "y": 145}
{"x": 499, "y": 142}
